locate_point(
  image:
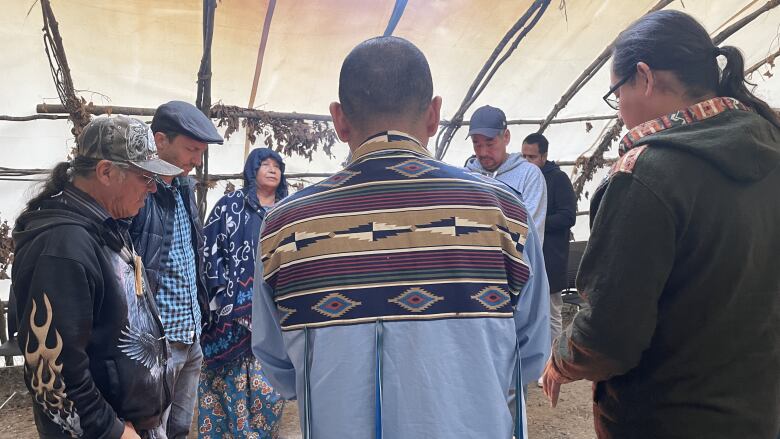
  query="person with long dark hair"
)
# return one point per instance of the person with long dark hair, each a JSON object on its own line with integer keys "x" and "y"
{"x": 235, "y": 397}
{"x": 94, "y": 346}
{"x": 680, "y": 335}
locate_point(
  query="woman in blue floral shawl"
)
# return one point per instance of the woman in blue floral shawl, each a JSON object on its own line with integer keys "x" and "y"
{"x": 235, "y": 398}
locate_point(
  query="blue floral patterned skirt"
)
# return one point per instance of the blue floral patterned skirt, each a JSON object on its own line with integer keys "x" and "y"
{"x": 236, "y": 400}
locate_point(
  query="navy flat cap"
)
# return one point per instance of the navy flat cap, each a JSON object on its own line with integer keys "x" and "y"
{"x": 185, "y": 118}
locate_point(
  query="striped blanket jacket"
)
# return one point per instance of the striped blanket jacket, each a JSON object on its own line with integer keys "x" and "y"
{"x": 396, "y": 235}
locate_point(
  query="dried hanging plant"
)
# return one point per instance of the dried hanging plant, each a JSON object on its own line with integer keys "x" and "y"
{"x": 296, "y": 185}
{"x": 284, "y": 135}
{"x": 6, "y": 249}
{"x": 60, "y": 71}
{"x": 587, "y": 166}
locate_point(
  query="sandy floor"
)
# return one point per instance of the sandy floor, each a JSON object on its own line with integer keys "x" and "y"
{"x": 571, "y": 420}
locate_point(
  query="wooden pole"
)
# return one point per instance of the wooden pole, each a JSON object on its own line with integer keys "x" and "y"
{"x": 219, "y": 111}
{"x": 538, "y": 121}
{"x": 587, "y": 75}
{"x": 768, "y": 60}
{"x": 9, "y": 360}
{"x": 60, "y": 70}
{"x": 292, "y": 175}
{"x": 259, "y": 64}
{"x": 33, "y": 117}
{"x": 731, "y": 30}
{"x": 14, "y": 172}
{"x": 488, "y": 70}
{"x": 203, "y": 100}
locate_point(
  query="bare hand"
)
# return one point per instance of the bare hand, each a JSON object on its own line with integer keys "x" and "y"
{"x": 552, "y": 389}
{"x": 129, "y": 432}
{"x": 551, "y": 383}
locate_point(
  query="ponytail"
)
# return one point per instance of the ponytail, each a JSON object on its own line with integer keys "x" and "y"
{"x": 51, "y": 187}
{"x": 674, "y": 41}
{"x": 732, "y": 84}
{"x": 61, "y": 175}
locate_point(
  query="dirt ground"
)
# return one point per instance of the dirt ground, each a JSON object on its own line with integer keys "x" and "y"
{"x": 572, "y": 419}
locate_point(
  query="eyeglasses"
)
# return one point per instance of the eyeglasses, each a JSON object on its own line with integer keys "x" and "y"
{"x": 610, "y": 98}
{"x": 149, "y": 180}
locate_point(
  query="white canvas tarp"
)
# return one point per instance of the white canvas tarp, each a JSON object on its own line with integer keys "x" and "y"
{"x": 142, "y": 53}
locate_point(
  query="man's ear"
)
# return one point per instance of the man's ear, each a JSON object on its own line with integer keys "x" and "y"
{"x": 432, "y": 116}
{"x": 103, "y": 171}
{"x": 645, "y": 73}
{"x": 507, "y": 136}
{"x": 340, "y": 122}
{"x": 161, "y": 140}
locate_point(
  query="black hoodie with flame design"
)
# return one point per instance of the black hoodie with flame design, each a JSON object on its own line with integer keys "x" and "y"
{"x": 95, "y": 354}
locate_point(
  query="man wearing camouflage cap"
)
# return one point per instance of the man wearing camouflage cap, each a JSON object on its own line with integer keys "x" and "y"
{"x": 93, "y": 343}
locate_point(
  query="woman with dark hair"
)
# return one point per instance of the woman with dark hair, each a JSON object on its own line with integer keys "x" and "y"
{"x": 236, "y": 399}
{"x": 681, "y": 333}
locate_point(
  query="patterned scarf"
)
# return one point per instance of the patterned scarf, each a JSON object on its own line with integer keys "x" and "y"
{"x": 695, "y": 113}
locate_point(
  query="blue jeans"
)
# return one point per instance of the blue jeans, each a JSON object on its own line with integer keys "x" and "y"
{"x": 185, "y": 363}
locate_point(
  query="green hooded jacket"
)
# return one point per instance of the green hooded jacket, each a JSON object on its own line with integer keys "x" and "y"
{"x": 682, "y": 283}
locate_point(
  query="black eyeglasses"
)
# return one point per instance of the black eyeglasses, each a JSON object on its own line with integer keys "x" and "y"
{"x": 610, "y": 98}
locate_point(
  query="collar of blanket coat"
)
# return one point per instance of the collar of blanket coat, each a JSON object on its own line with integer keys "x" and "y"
{"x": 388, "y": 140}
{"x": 695, "y": 113}
{"x": 395, "y": 236}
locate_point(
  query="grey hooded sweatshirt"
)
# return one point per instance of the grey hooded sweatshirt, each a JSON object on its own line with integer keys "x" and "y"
{"x": 524, "y": 177}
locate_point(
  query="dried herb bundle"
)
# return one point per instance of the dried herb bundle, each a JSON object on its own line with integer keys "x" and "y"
{"x": 587, "y": 166}
{"x": 285, "y": 136}
{"x": 6, "y": 249}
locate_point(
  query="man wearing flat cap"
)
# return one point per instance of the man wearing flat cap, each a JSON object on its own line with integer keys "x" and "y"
{"x": 169, "y": 236}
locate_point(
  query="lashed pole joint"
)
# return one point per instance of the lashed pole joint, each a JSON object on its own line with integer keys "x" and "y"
{"x": 536, "y": 10}
{"x": 596, "y": 161}
{"x": 589, "y": 165}
{"x": 588, "y": 74}
{"x": 60, "y": 71}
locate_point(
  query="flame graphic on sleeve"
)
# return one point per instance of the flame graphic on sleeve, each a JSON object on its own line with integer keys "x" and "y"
{"x": 43, "y": 369}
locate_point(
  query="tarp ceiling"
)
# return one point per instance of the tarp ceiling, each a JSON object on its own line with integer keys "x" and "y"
{"x": 144, "y": 52}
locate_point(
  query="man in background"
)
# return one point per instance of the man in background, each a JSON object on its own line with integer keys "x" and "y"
{"x": 490, "y": 137}
{"x": 561, "y": 216}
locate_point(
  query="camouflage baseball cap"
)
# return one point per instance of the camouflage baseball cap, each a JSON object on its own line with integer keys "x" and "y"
{"x": 126, "y": 140}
